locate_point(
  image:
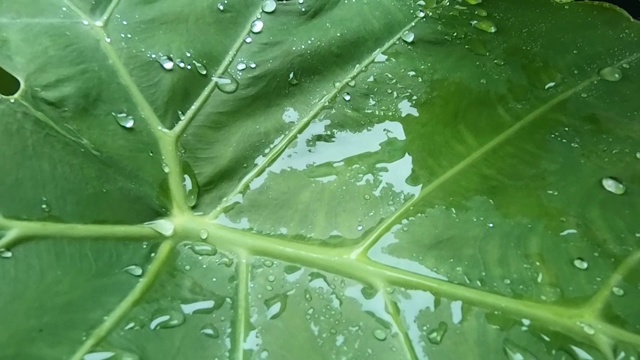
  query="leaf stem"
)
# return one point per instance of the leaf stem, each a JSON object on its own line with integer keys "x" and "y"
{"x": 242, "y": 308}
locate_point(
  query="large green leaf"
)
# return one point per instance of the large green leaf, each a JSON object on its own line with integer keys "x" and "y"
{"x": 319, "y": 179}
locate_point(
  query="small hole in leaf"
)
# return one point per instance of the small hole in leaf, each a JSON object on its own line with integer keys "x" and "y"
{"x": 9, "y": 84}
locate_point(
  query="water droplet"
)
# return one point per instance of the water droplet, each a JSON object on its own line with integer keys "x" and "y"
{"x": 268, "y": 263}
{"x": 45, "y": 205}
{"x": 367, "y": 197}
{"x": 435, "y": 336}
{"x": 474, "y": 2}
{"x": 210, "y": 330}
{"x": 248, "y": 40}
{"x": 610, "y": 73}
{"x": 617, "y": 291}
{"x": 550, "y": 85}
{"x": 5, "y": 254}
{"x": 134, "y": 270}
{"x": 276, "y": 305}
{"x": 165, "y": 168}
{"x": 360, "y": 227}
{"x": 99, "y": 355}
{"x": 227, "y": 84}
{"x": 190, "y": 184}
{"x": 221, "y": 6}
{"x": 307, "y": 295}
{"x": 638, "y": 155}
{"x": 271, "y": 278}
{"x": 292, "y": 79}
{"x": 481, "y": 12}
{"x": 269, "y": 6}
{"x": 257, "y": 26}
{"x": 484, "y": 25}
{"x": 200, "y": 68}
{"x": 124, "y": 120}
{"x": 351, "y": 83}
{"x": 408, "y": 37}
{"x": 203, "y": 249}
{"x": 166, "y": 62}
{"x": 204, "y": 234}
{"x": 346, "y": 96}
{"x": 613, "y": 185}
{"x": 587, "y": 328}
{"x": 580, "y": 263}
{"x": 380, "y": 334}
{"x": 420, "y": 13}
{"x": 164, "y": 226}
{"x": 241, "y": 66}
{"x": 167, "y": 319}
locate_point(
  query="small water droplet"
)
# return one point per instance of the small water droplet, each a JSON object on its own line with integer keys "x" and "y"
{"x": 167, "y": 319}
{"x": 227, "y": 84}
{"x": 99, "y": 355}
{"x": 200, "y": 68}
{"x": 351, "y": 83}
{"x": 269, "y": 6}
{"x": 485, "y": 25}
{"x": 481, "y": 12}
{"x": 276, "y": 305}
{"x": 549, "y": 85}
{"x": 610, "y": 73}
{"x": 346, "y": 96}
{"x": 134, "y": 270}
{"x": 124, "y": 120}
{"x": 210, "y": 331}
{"x": 248, "y": 40}
{"x": 617, "y": 291}
{"x": 166, "y": 62}
{"x": 241, "y": 66}
{"x": 367, "y": 197}
{"x": 408, "y": 37}
{"x": 257, "y": 26}
{"x": 292, "y": 79}
{"x": 268, "y": 263}
{"x": 163, "y": 226}
{"x": 45, "y": 205}
{"x": 580, "y": 263}
{"x": 380, "y": 334}
{"x": 613, "y": 185}
{"x": 165, "y": 168}
{"x": 221, "y": 6}
{"x": 360, "y": 227}
{"x": 190, "y": 184}
{"x": 271, "y": 278}
{"x": 203, "y": 249}
{"x": 204, "y": 234}
{"x": 587, "y": 328}
{"x": 435, "y": 336}
{"x": 474, "y": 2}
{"x": 5, "y": 254}
{"x": 420, "y": 13}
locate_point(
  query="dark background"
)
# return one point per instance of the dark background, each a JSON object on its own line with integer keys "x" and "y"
{"x": 632, "y": 6}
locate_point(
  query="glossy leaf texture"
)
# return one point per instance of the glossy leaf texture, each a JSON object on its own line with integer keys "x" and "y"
{"x": 319, "y": 179}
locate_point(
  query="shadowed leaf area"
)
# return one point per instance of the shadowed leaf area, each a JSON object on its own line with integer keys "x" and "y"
{"x": 319, "y": 179}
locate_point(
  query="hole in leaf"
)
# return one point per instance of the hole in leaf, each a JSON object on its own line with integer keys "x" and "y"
{"x": 9, "y": 84}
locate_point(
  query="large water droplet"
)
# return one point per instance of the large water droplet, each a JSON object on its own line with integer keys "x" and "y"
{"x": 210, "y": 330}
{"x": 167, "y": 319}
{"x": 580, "y": 263}
{"x": 346, "y": 96}
{"x": 408, "y": 37}
{"x": 610, "y": 73}
{"x": 204, "y": 234}
{"x": 204, "y": 249}
{"x": 200, "y": 68}
{"x": 199, "y": 307}
{"x": 380, "y": 334}
{"x": 269, "y": 6}
{"x": 5, "y": 254}
{"x": 276, "y": 305}
{"x": 617, "y": 291}
{"x": 166, "y": 62}
{"x": 292, "y": 79}
{"x": 124, "y": 120}
{"x": 257, "y": 26}
{"x": 164, "y": 226}
{"x": 613, "y": 185}
{"x": 190, "y": 184}
{"x": 241, "y": 66}
{"x": 435, "y": 336}
{"x": 134, "y": 270}
{"x": 587, "y": 328}
{"x": 227, "y": 84}
{"x": 485, "y": 25}
{"x": 221, "y": 6}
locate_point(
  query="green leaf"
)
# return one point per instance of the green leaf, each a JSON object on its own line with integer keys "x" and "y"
{"x": 321, "y": 179}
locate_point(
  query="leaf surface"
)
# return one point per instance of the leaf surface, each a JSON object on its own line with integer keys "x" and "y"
{"x": 322, "y": 179}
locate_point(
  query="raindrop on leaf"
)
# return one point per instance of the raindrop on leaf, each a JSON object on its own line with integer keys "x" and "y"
{"x": 166, "y": 62}
{"x": 613, "y": 185}
{"x": 611, "y": 73}
{"x": 408, "y": 37}
{"x": 269, "y": 6}
{"x": 134, "y": 270}
{"x": 163, "y": 226}
{"x": 257, "y": 26}
{"x": 124, "y": 120}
